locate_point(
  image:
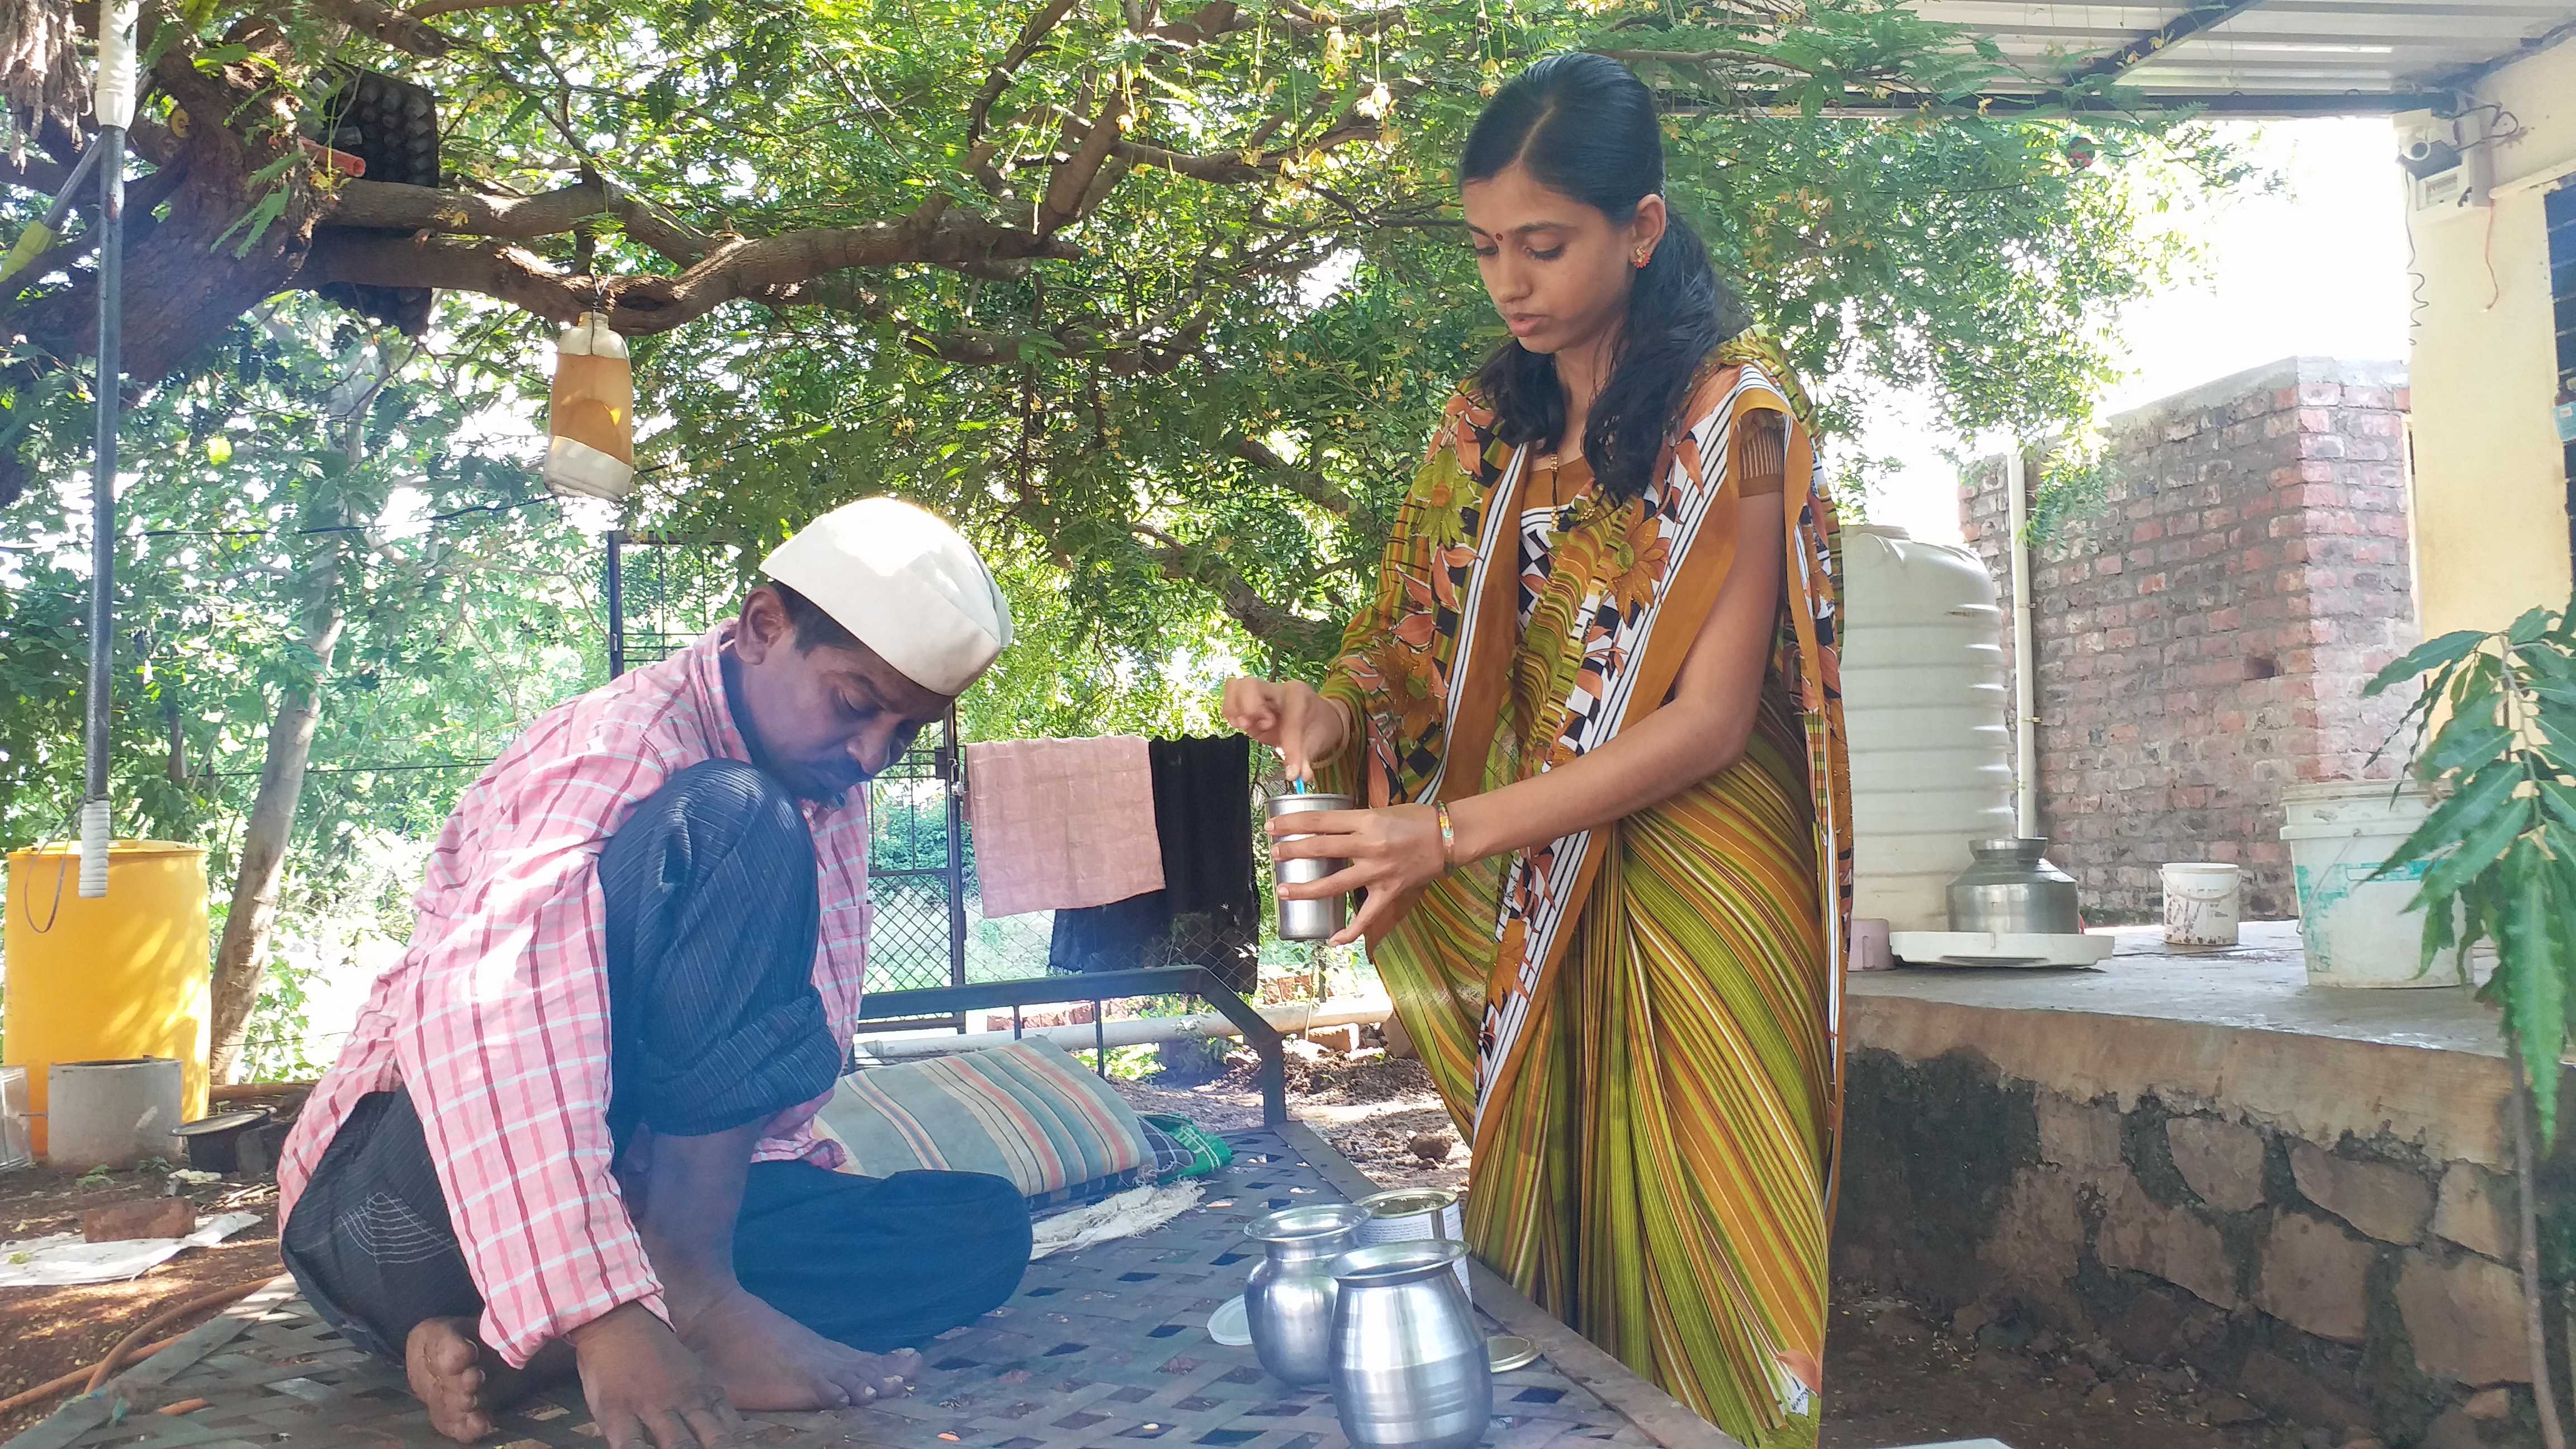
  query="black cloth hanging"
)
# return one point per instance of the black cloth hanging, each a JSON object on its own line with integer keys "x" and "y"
{"x": 1208, "y": 912}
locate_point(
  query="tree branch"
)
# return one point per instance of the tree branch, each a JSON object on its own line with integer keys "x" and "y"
{"x": 431, "y": 9}
{"x": 780, "y": 270}
{"x": 379, "y": 259}
{"x": 34, "y": 173}
{"x": 382, "y": 22}
{"x": 1307, "y": 20}
{"x": 1032, "y": 35}
{"x": 1312, "y": 486}
{"x": 390, "y": 206}
{"x": 1281, "y": 628}
{"x": 1229, "y": 168}
{"x": 1702, "y": 58}
{"x": 1069, "y": 189}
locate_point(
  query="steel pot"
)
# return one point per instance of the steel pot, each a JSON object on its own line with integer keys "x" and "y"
{"x": 1309, "y": 920}
{"x": 1407, "y": 1214}
{"x": 1410, "y": 1370}
{"x": 1289, "y": 1302}
{"x": 2011, "y": 889}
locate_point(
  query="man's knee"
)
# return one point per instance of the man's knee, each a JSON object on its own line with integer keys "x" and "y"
{"x": 710, "y": 819}
{"x": 727, "y": 804}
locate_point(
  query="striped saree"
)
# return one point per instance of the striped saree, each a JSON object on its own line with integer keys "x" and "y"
{"x": 1635, "y": 1025}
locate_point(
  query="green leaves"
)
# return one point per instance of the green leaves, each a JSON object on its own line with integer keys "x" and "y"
{"x": 2502, "y": 846}
{"x": 2430, "y": 655}
{"x": 2486, "y": 841}
{"x": 2487, "y": 796}
{"x": 2467, "y": 745}
{"x": 2535, "y": 892}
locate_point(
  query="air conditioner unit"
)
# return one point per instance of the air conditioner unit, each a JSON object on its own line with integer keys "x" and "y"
{"x": 2446, "y": 175}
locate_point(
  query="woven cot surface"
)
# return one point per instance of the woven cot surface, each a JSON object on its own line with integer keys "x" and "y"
{"x": 1105, "y": 1348}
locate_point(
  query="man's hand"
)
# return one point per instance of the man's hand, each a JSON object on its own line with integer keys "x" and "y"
{"x": 646, "y": 1388}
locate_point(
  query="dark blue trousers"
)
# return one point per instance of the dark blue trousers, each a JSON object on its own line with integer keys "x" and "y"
{"x": 714, "y": 1023}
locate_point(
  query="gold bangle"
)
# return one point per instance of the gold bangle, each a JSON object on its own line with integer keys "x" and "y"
{"x": 1448, "y": 838}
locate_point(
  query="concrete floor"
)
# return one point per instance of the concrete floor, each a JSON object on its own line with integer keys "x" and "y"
{"x": 2261, "y": 985}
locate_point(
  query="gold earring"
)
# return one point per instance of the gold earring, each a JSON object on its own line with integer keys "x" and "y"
{"x": 1644, "y": 256}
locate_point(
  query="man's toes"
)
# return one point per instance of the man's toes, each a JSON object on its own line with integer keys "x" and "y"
{"x": 447, "y": 1354}
{"x": 463, "y": 1423}
{"x": 851, "y": 1389}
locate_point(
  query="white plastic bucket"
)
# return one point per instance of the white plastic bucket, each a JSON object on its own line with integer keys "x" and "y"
{"x": 1869, "y": 946}
{"x": 2358, "y": 932}
{"x": 2202, "y": 903}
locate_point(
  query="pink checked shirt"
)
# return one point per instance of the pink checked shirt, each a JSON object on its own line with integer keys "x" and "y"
{"x": 496, "y": 1019}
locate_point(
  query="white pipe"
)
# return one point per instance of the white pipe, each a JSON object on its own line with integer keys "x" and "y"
{"x": 1289, "y": 1017}
{"x": 95, "y": 839}
{"x": 2025, "y": 658}
{"x": 112, "y": 96}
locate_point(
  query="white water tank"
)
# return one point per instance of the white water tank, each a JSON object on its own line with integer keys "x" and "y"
{"x": 1926, "y": 700}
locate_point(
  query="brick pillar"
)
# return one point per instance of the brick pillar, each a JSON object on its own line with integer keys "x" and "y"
{"x": 2203, "y": 638}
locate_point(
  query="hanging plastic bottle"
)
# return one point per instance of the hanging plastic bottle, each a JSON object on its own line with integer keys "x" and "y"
{"x": 591, "y": 413}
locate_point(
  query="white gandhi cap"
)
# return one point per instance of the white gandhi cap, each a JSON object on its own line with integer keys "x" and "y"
{"x": 905, "y": 584}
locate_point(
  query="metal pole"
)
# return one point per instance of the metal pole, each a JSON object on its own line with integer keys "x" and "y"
{"x": 954, "y": 758}
{"x": 2025, "y": 652}
{"x": 616, "y": 604}
{"x": 115, "y": 109}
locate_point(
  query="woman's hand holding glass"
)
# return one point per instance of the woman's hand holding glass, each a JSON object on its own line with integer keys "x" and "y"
{"x": 1390, "y": 850}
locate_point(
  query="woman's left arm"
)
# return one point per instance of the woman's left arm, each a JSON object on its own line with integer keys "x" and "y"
{"x": 1701, "y": 730}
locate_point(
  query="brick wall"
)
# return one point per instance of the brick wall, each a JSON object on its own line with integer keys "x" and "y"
{"x": 2203, "y": 636}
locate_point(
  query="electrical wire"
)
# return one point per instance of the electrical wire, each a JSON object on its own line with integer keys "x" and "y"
{"x": 2417, "y": 303}
{"x": 2495, "y": 285}
{"x": 389, "y": 769}
{"x": 435, "y": 518}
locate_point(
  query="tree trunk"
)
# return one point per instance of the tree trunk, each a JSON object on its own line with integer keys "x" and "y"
{"x": 241, "y": 958}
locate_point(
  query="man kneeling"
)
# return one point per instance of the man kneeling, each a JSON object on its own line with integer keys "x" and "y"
{"x": 572, "y": 1129}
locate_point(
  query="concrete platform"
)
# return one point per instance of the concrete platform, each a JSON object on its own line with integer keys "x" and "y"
{"x": 2261, "y": 985}
{"x": 2238, "y": 1031}
{"x": 2305, "y": 1193}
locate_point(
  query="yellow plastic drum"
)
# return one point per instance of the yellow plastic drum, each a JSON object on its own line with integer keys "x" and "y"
{"x": 121, "y": 976}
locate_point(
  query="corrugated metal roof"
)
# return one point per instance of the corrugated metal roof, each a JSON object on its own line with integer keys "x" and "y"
{"x": 2277, "y": 55}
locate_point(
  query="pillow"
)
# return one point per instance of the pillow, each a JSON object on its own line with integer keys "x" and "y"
{"x": 1026, "y": 1111}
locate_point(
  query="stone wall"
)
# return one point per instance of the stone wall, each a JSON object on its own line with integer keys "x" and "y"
{"x": 2204, "y": 635}
{"x": 2176, "y": 1248}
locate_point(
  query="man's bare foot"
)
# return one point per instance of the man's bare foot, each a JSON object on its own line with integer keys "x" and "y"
{"x": 464, "y": 1384}
{"x": 445, "y": 1366}
{"x": 768, "y": 1361}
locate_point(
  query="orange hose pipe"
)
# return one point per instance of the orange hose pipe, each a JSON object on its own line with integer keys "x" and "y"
{"x": 220, "y": 1298}
{"x": 72, "y": 1380}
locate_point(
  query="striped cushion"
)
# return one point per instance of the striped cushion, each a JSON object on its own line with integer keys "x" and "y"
{"x": 1027, "y": 1111}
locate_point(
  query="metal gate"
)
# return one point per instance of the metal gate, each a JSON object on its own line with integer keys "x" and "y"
{"x": 663, "y": 591}
{"x": 917, "y": 867}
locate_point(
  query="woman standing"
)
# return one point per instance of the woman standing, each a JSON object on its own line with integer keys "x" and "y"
{"x": 1595, "y": 708}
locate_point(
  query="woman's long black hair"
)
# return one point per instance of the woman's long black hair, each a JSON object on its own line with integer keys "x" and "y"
{"x": 1585, "y": 126}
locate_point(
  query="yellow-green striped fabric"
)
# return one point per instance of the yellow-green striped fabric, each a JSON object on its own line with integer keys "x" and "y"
{"x": 1655, "y": 1152}
{"x": 1656, "y": 1177}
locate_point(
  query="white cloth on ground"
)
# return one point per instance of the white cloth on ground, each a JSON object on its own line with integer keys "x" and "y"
{"x": 1125, "y": 1215}
{"x": 63, "y": 1259}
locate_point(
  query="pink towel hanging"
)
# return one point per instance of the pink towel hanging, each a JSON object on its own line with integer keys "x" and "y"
{"x": 1062, "y": 824}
